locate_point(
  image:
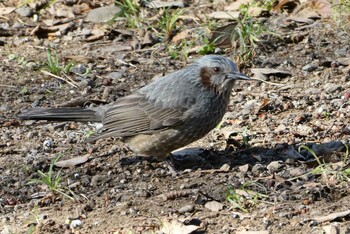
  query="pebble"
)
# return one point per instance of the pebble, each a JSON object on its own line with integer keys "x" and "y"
{"x": 244, "y": 168}
{"x": 225, "y": 167}
{"x": 76, "y": 223}
{"x": 274, "y": 166}
{"x": 257, "y": 168}
{"x": 186, "y": 209}
{"x": 341, "y": 52}
{"x": 296, "y": 172}
{"x": 48, "y": 144}
{"x": 331, "y": 87}
{"x": 309, "y": 67}
{"x": 32, "y": 66}
{"x": 115, "y": 75}
{"x": 103, "y": 14}
{"x": 79, "y": 69}
{"x": 97, "y": 180}
{"x": 25, "y": 11}
{"x": 4, "y": 107}
{"x": 313, "y": 91}
{"x": 337, "y": 102}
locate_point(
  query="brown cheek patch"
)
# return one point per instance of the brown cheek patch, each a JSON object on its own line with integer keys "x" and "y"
{"x": 205, "y": 74}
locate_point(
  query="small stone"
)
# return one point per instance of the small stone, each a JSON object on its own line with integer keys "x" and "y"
{"x": 309, "y": 67}
{"x": 4, "y": 107}
{"x": 97, "y": 180}
{"x": 337, "y": 102}
{"x": 79, "y": 69}
{"x": 25, "y": 11}
{"x": 133, "y": 210}
{"x": 341, "y": 52}
{"x": 244, "y": 168}
{"x": 166, "y": 4}
{"x": 103, "y": 14}
{"x": 214, "y": 206}
{"x": 313, "y": 91}
{"x": 115, "y": 75}
{"x": 296, "y": 172}
{"x": 331, "y": 87}
{"x": 186, "y": 209}
{"x": 48, "y": 144}
{"x": 32, "y": 65}
{"x": 76, "y": 223}
{"x": 274, "y": 166}
{"x": 331, "y": 229}
{"x": 347, "y": 95}
{"x": 225, "y": 167}
{"x": 258, "y": 168}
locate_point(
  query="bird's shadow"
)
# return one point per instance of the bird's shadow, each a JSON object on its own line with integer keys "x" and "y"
{"x": 195, "y": 158}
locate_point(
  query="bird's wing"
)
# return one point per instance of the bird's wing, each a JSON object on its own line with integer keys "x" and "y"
{"x": 135, "y": 114}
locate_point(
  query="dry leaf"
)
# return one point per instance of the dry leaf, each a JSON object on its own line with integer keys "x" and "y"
{"x": 223, "y": 15}
{"x": 185, "y": 34}
{"x": 331, "y": 229}
{"x": 72, "y": 162}
{"x": 269, "y": 72}
{"x": 6, "y": 10}
{"x": 177, "y": 227}
{"x": 332, "y": 216}
{"x": 286, "y": 5}
{"x": 253, "y": 232}
{"x": 225, "y": 36}
{"x": 236, "y": 5}
{"x": 96, "y": 34}
{"x": 214, "y": 206}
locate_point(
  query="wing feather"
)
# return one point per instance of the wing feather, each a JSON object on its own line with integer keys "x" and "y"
{"x": 135, "y": 114}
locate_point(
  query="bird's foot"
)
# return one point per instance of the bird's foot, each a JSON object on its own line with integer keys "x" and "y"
{"x": 170, "y": 164}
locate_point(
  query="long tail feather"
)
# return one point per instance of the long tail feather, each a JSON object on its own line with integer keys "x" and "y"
{"x": 61, "y": 114}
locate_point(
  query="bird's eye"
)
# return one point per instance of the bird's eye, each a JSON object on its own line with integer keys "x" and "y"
{"x": 216, "y": 69}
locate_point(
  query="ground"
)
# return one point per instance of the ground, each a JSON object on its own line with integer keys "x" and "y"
{"x": 277, "y": 163}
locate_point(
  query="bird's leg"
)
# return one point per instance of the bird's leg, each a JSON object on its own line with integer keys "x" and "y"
{"x": 170, "y": 164}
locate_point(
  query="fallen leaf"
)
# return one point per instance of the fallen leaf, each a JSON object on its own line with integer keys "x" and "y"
{"x": 166, "y": 4}
{"x": 72, "y": 162}
{"x": 225, "y": 36}
{"x": 6, "y": 10}
{"x": 286, "y": 5}
{"x": 331, "y": 216}
{"x": 178, "y": 38}
{"x": 236, "y": 5}
{"x": 253, "y": 232}
{"x": 148, "y": 39}
{"x": 331, "y": 229}
{"x": 102, "y": 14}
{"x": 96, "y": 34}
{"x": 262, "y": 72}
{"x": 214, "y": 206}
{"x": 223, "y": 15}
{"x": 264, "y": 103}
{"x": 177, "y": 227}
{"x": 344, "y": 61}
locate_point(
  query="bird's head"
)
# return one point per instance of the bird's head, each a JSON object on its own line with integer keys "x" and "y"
{"x": 218, "y": 73}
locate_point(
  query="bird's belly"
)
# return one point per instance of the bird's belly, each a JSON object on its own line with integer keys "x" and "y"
{"x": 161, "y": 143}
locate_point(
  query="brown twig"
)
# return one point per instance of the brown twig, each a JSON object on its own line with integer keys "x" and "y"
{"x": 68, "y": 80}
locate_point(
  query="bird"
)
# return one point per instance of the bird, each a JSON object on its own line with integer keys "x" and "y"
{"x": 167, "y": 114}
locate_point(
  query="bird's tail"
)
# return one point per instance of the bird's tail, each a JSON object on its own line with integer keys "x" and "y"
{"x": 61, "y": 114}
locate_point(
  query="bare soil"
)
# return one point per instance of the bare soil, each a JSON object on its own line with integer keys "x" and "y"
{"x": 116, "y": 191}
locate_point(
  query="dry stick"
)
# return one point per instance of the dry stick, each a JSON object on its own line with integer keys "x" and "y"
{"x": 267, "y": 82}
{"x": 72, "y": 83}
{"x": 7, "y": 86}
{"x": 71, "y": 80}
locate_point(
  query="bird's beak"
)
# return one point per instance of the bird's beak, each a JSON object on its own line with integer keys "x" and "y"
{"x": 238, "y": 76}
